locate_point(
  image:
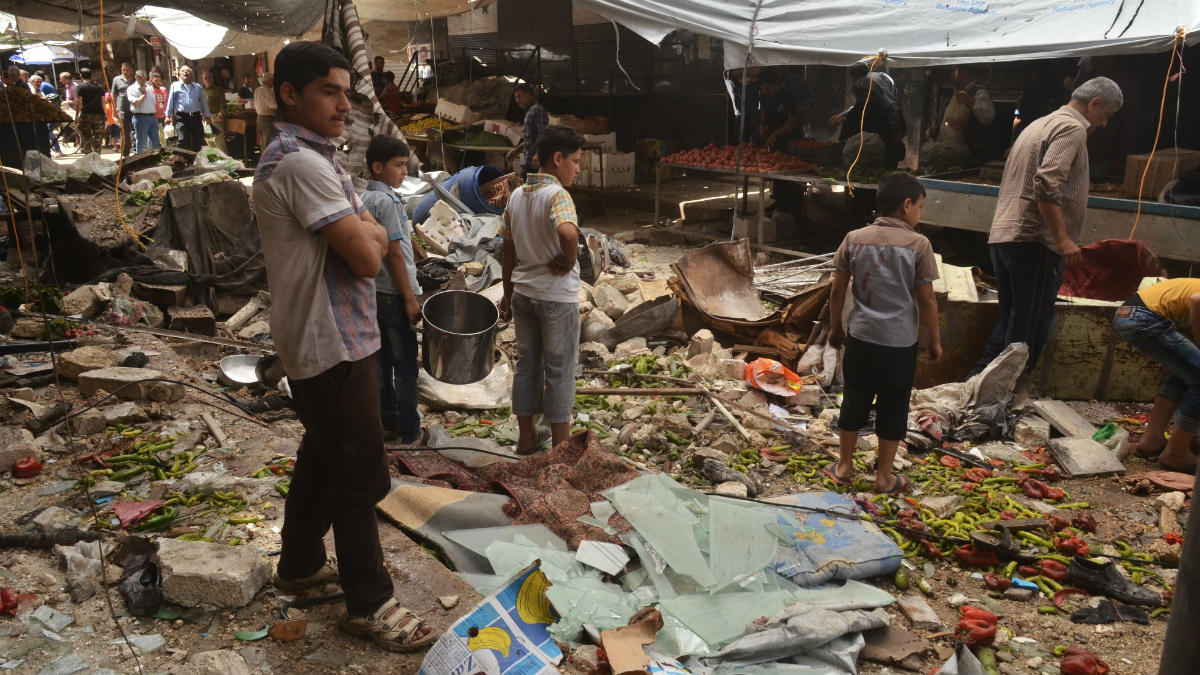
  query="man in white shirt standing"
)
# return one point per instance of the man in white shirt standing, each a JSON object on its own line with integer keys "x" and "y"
{"x": 266, "y": 109}
{"x": 141, "y": 107}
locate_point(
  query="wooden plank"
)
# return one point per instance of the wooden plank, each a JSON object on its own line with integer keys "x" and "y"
{"x": 1064, "y": 419}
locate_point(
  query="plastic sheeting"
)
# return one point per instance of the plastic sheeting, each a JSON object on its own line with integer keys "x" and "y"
{"x": 913, "y": 32}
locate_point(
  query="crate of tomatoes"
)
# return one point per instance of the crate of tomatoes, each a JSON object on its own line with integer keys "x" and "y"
{"x": 754, "y": 159}
{"x": 821, "y": 153}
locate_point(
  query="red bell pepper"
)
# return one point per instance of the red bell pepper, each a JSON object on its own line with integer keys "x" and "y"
{"x": 1057, "y": 523}
{"x": 978, "y": 474}
{"x": 977, "y": 633}
{"x": 1084, "y": 522}
{"x": 931, "y": 550}
{"x": 969, "y": 612}
{"x": 952, "y": 462}
{"x": 1173, "y": 538}
{"x": 1027, "y": 571}
{"x": 26, "y": 467}
{"x": 1079, "y": 661}
{"x": 1007, "y": 515}
{"x": 996, "y": 583}
{"x": 1071, "y": 546}
{"x": 1054, "y": 570}
{"x": 967, "y": 554}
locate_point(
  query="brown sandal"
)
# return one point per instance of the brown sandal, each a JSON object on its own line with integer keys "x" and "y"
{"x": 391, "y": 627}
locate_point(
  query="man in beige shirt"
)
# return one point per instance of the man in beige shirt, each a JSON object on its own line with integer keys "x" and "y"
{"x": 1039, "y": 216}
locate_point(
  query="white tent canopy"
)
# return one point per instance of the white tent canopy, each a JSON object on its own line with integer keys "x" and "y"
{"x": 913, "y": 32}
{"x": 196, "y": 38}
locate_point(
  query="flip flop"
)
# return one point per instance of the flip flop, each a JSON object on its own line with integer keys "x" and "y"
{"x": 543, "y": 443}
{"x": 1185, "y": 470}
{"x": 421, "y": 441}
{"x": 901, "y": 485}
{"x": 830, "y": 472}
{"x": 1150, "y": 456}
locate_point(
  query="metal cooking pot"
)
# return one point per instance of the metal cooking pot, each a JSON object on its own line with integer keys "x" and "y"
{"x": 459, "y": 336}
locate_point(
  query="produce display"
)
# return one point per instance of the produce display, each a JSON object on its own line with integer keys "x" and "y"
{"x": 754, "y": 159}
{"x": 812, "y": 144}
{"x": 19, "y": 105}
{"x": 431, "y": 122}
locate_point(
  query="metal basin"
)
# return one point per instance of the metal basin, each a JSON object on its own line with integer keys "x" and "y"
{"x": 459, "y": 336}
{"x": 239, "y": 370}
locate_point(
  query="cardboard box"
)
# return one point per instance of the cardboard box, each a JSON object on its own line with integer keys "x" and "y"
{"x": 459, "y": 114}
{"x": 1168, "y": 164}
{"x": 608, "y": 142}
{"x": 606, "y": 169}
{"x": 582, "y": 125}
{"x": 509, "y": 130}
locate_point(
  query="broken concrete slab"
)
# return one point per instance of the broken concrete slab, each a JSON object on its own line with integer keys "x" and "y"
{"x": 53, "y": 518}
{"x": 124, "y": 413}
{"x": 1005, "y": 452}
{"x": 15, "y": 443}
{"x": 630, "y": 347}
{"x": 88, "y": 423}
{"x": 197, "y": 319}
{"x": 218, "y": 662}
{"x": 943, "y": 507}
{"x": 919, "y": 612}
{"x": 610, "y": 301}
{"x": 160, "y": 295}
{"x": 139, "y": 381}
{"x": 87, "y": 301}
{"x": 894, "y": 646}
{"x": 78, "y": 361}
{"x": 197, "y": 573}
{"x": 1063, "y": 418}
{"x": 1080, "y": 457}
{"x": 1031, "y": 431}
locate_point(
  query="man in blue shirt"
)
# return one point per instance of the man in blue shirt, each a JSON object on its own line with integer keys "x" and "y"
{"x": 187, "y": 109}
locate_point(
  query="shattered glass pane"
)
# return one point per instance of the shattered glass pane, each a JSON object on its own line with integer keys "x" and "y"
{"x": 591, "y": 601}
{"x": 477, "y": 540}
{"x": 738, "y": 540}
{"x": 666, "y": 522}
{"x": 718, "y": 619}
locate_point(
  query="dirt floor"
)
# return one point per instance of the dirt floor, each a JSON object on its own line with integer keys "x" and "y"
{"x": 420, "y": 578}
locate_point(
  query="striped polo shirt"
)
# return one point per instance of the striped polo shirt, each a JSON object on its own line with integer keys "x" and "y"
{"x": 886, "y": 260}
{"x": 1047, "y": 163}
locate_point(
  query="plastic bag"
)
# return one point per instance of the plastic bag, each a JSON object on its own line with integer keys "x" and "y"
{"x": 41, "y": 169}
{"x": 211, "y": 159}
{"x": 92, "y": 163}
{"x": 772, "y": 377}
{"x": 141, "y": 586}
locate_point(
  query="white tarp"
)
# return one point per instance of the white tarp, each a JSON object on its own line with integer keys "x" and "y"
{"x": 913, "y": 32}
{"x": 196, "y": 38}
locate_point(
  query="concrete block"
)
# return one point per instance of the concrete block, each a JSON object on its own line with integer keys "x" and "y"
{"x": 124, "y": 413}
{"x": 919, "y": 612}
{"x": 701, "y": 343}
{"x": 630, "y": 347}
{"x": 90, "y": 422}
{"x": 942, "y": 507}
{"x": 77, "y": 361}
{"x": 196, "y": 349}
{"x": 610, "y": 301}
{"x": 88, "y": 301}
{"x": 625, "y": 283}
{"x": 197, "y": 319}
{"x": 163, "y": 296}
{"x": 731, "y": 369}
{"x": 596, "y": 323}
{"x": 15, "y": 443}
{"x": 112, "y": 379}
{"x": 218, "y": 662}
{"x": 197, "y": 573}
{"x": 1031, "y": 431}
{"x": 1081, "y": 457}
{"x": 704, "y": 365}
{"x": 28, "y": 328}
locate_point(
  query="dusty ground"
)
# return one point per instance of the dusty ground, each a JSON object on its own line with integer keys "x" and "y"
{"x": 1128, "y": 648}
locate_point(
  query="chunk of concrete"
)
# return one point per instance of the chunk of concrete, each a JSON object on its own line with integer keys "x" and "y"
{"x": 53, "y": 518}
{"x": 942, "y": 507}
{"x": 152, "y": 174}
{"x": 704, "y": 365}
{"x": 197, "y": 319}
{"x": 595, "y": 325}
{"x": 630, "y": 347}
{"x": 197, "y": 573}
{"x": 919, "y": 612}
{"x": 28, "y": 328}
{"x": 124, "y": 413}
{"x": 731, "y": 369}
{"x": 1031, "y": 431}
{"x": 23, "y": 394}
{"x": 160, "y": 295}
{"x": 610, "y": 301}
{"x": 701, "y": 343}
{"x": 732, "y": 489}
{"x": 1080, "y": 457}
{"x": 78, "y": 361}
{"x": 218, "y": 662}
{"x": 87, "y": 301}
{"x": 1018, "y": 594}
{"x": 15, "y": 443}
{"x": 140, "y": 388}
{"x": 701, "y": 454}
{"x": 88, "y": 423}
{"x": 625, "y": 283}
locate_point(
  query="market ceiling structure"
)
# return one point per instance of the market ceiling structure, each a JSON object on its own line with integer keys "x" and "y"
{"x": 913, "y": 32}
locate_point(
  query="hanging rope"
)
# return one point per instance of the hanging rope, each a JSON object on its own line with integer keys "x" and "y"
{"x": 737, "y": 169}
{"x": 862, "y": 119}
{"x": 1180, "y": 35}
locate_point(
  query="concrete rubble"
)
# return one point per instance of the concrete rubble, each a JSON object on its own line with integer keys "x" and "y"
{"x": 197, "y": 573}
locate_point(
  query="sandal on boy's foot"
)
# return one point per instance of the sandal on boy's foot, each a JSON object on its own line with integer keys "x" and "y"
{"x": 543, "y": 443}
{"x": 830, "y": 472}
{"x": 392, "y": 627}
{"x": 326, "y": 575}
{"x": 421, "y": 441}
{"x": 1189, "y": 470}
{"x": 1146, "y": 454}
{"x": 901, "y": 485}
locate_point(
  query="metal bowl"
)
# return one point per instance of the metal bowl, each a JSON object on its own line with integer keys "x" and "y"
{"x": 239, "y": 370}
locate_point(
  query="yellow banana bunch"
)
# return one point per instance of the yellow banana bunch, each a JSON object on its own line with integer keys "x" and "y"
{"x": 532, "y": 604}
{"x": 492, "y": 637}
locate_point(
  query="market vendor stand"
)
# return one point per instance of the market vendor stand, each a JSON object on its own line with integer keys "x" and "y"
{"x": 1169, "y": 230}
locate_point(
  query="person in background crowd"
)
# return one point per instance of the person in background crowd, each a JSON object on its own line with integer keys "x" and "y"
{"x": 246, "y": 91}
{"x": 49, "y": 92}
{"x": 536, "y": 120}
{"x": 884, "y": 115}
{"x": 377, "y": 75}
{"x": 780, "y": 122}
{"x": 141, "y": 106}
{"x": 187, "y": 109}
{"x": 214, "y": 95}
{"x": 160, "y": 104}
{"x": 1039, "y": 216}
{"x": 1041, "y": 96}
{"x": 967, "y": 119}
{"x": 389, "y": 98}
{"x": 121, "y": 83}
{"x": 67, "y": 89}
{"x": 225, "y": 79}
{"x": 112, "y": 125}
{"x": 89, "y": 104}
{"x": 266, "y": 109}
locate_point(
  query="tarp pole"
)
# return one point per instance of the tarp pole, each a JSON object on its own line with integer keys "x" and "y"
{"x": 742, "y": 124}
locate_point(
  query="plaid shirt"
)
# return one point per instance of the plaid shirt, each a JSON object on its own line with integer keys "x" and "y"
{"x": 351, "y": 297}
{"x": 536, "y": 120}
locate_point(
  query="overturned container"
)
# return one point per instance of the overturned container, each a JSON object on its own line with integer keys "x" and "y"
{"x": 459, "y": 336}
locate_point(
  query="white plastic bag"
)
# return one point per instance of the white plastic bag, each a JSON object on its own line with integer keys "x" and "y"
{"x": 211, "y": 159}
{"x": 41, "y": 169}
{"x": 92, "y": 163}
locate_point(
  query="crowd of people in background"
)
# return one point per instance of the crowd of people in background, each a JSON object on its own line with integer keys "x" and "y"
{"x": 141, "y": 110}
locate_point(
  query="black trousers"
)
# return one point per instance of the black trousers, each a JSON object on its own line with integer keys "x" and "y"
{"x": 189, "y": 129}
{"x": 1028, "y": 276}
{"x": 881, "y": 374}
{"x": 340, "y": 474}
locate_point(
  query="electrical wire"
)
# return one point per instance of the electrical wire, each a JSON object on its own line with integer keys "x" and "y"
{"x": 1180, "y": 36}
{"x": 617, "y": 30}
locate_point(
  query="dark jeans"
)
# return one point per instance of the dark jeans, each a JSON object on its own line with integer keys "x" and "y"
{"x": 1028, "y": 276}
{"x": 881, "y": 374}
{"x": 397, "y": 368}
{"x": 1181, "y": 649}
{"x": 1159, "y": 339}
{"x": 341, "y": 473}
{"x": 127, "y": 133}
{"x": 189, "y": 129}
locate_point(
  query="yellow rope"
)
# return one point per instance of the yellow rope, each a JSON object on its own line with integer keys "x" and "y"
{"x": 1180, "y": 35}
{"x": 862, "y": 119}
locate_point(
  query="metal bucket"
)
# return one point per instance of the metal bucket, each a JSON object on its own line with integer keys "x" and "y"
{"x": 459, "y": 336}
